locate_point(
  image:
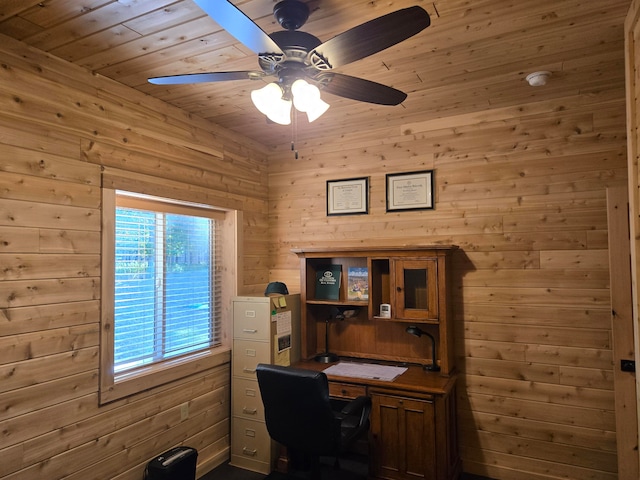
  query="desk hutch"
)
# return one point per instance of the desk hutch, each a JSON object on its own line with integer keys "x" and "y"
{"x": 413, "y": 419}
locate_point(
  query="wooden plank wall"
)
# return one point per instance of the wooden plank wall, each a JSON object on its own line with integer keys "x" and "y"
{"x": 632, "y": 56}
{"x": 59, "y": 127}
{"x": 522, "y": 190}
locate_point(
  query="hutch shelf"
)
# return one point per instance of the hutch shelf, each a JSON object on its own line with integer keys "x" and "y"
{"x": 413, "y": 282}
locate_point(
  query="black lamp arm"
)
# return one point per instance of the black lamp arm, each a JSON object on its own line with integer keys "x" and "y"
{"x": 434, "y": 367}
{"x": 418, "y": 332}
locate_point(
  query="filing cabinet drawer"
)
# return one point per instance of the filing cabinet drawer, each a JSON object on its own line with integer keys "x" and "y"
{"x": 246, "y": 357}
{"x": 247, "y": 401}
{"x": 251, "y": 321}
{"x": 251, "y": 445}
{"x": 346, "y": 390}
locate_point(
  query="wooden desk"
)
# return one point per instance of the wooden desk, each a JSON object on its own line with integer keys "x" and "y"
{"x": 413, "y": 422}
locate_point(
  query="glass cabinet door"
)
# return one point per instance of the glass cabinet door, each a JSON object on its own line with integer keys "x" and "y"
{"x": 416, "y": 289}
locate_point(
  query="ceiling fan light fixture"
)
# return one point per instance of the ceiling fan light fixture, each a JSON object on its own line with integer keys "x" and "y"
{"x": 306, "y": 99}
{"x": 317, "y": 110}
{"x": 292, "y": 54}
{"x": 268, "y": 100}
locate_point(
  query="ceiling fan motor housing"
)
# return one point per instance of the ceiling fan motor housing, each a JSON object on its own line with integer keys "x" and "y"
{"x": 291, "y": 14}
{"x": 296, "y": 46}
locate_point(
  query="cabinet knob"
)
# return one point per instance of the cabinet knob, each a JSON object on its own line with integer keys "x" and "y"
{"x": 398, "y": 289}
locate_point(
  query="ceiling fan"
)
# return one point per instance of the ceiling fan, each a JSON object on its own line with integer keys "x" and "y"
{"x": 301, "y": 63}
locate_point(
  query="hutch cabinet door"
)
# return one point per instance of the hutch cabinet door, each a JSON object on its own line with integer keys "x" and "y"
{"x": 403, "y": 433}
{"x": 416, "y": 287}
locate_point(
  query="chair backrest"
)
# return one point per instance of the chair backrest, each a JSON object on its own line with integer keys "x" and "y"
{"x": 297, "y": 409}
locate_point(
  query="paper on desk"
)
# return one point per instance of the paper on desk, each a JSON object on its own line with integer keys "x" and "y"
{"x": 371, "y": 371}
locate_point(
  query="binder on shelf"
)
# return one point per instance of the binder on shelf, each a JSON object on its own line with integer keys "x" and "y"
{"x": 328, "y": 279}
{"x": 357, "y": 283}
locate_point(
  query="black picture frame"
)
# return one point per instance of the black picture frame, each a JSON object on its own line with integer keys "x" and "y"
{"x": 408, "y": 191}
{"x": 348, "y": 196}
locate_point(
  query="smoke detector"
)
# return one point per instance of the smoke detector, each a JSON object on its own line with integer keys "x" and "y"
{"x": 538, "y": 79}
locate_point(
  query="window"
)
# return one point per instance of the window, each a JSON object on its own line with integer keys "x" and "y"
{"x": 167, "y": 299}
{"x": 163, "y": 301}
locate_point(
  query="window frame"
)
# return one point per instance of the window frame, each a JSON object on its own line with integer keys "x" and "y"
{"x": 116, "y": 386}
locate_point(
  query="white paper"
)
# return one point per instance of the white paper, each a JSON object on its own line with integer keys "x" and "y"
{"x": 371, "y": 371}
{"x": 283, "y": 322}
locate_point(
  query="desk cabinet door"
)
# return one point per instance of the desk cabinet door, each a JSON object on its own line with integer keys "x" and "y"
{"x": 403, "y": 434}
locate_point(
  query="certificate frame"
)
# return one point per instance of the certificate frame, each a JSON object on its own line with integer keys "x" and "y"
{"x": 410, "y": 191}
{"x": 349, "y": 196}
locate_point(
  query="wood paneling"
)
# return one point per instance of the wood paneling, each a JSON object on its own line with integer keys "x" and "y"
{"x": 64, "y": 133}
{"x": 473, "y": 57}
{"x": 521, "y": 188}
{"x": 627, "y": 399}
{"x": 520, "y": 176}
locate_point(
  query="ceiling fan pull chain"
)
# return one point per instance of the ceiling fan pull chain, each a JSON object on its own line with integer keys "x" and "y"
{"x": 294, "y": 133}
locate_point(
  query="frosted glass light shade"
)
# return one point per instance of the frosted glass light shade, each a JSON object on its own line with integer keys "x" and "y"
{"x": 306, "y": 98}
{"x": 268, "y": 100}
{"x": 317, "y": 109}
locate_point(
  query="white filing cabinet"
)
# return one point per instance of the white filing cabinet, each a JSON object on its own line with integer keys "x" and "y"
{"x": 265, "y": 330}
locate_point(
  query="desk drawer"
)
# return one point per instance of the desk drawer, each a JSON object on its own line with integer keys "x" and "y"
{"x": 346, "y": 390}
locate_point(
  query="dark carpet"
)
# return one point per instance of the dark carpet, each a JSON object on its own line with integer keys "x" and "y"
{"x": 354, "y": 467}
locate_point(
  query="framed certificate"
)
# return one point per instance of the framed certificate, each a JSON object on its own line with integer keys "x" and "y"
{"x": 410, "y": 191}
{"x": 348, "y": 197}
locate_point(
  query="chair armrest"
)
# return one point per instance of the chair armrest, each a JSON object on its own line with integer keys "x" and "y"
{"x": 354, "y": 419}
{"x": 356, "y": 405}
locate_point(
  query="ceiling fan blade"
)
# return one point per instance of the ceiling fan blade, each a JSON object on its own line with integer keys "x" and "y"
{"x": 207, "y": 77}
{"x": 234, "y": 21}
{"x": 362, "y": 90}
{"x": 372, "y": 36}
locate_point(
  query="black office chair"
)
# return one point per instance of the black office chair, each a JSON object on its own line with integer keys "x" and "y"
{"x": 299, "y": 416}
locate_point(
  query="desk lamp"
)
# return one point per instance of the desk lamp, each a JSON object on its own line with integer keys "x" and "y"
{"x": 341, "y": 314}
{"x": 418, "y": 332}
{"x": 326, "y": 356}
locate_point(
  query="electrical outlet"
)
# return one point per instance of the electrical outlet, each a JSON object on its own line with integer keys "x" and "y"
{"x": 184, "y": 411}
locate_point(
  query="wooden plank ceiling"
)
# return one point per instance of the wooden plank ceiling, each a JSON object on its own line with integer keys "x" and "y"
{"x": 474, "y": 56}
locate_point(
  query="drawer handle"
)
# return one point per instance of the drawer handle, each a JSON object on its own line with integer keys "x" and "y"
{"x": 250, "y": 411}
{"x": 249, "y": 330}
{"x": 248, "y": 451}
{"x": 249, "y": 370}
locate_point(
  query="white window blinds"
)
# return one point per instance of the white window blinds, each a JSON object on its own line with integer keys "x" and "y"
{"x": 167, "y": 287}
